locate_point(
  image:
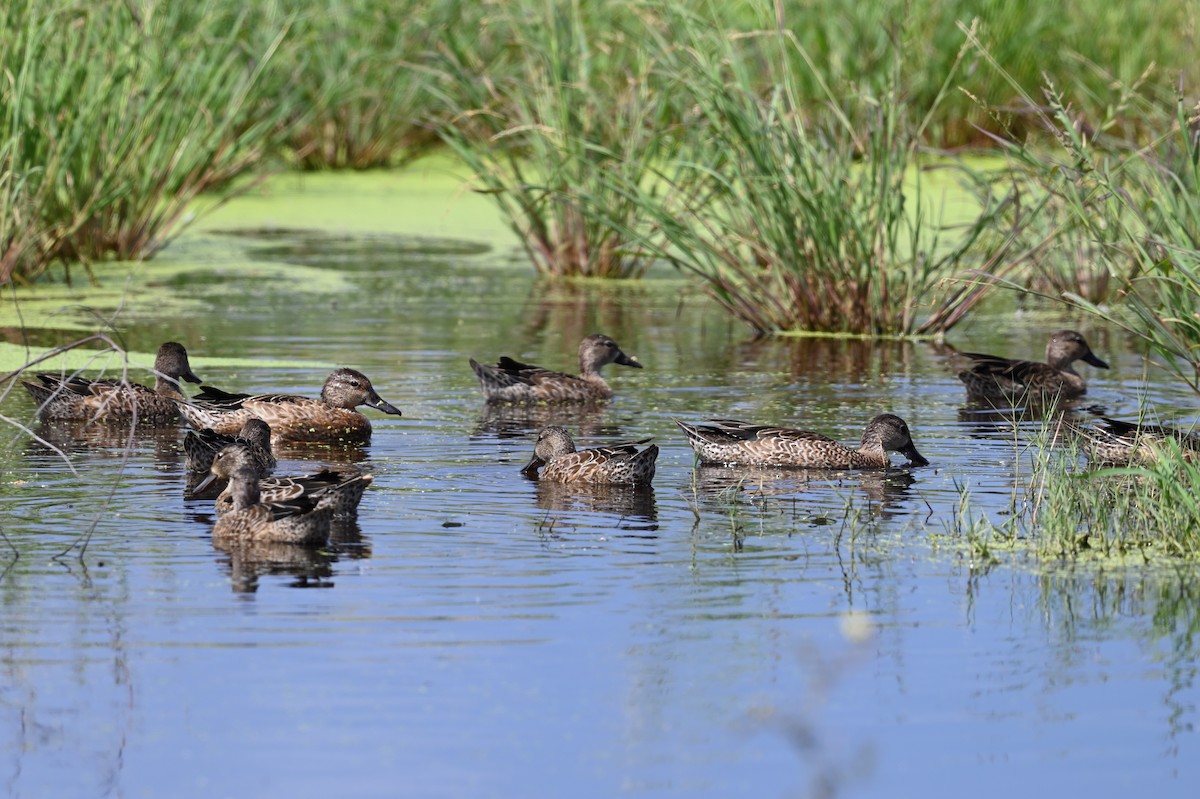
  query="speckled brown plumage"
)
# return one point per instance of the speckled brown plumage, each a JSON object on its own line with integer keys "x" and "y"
{"x": 993, "y": 378}
{"x": 301, "y": 520}
{"x": 339, "y": 487}
{"x": 515, "y": 382}
{"x": 729, "y": 442}
{"x": 559, "y": 461}
{"x": 200, "y": 447}
{"x": 79, "y": 398}
{"x": 295, "y": 419}
{"x": 1111, "y": 442}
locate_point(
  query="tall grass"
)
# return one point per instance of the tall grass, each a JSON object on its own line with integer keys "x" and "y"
{"x": 564, "y": 109}
{"x": 799, "y": 225}
{"x": 1086, "y": 44}
{"x": 356, "y": 72}
{"x": 570, "y": 102}
{"x": 1135, "y": 208}
{"x": 115, "y": 117}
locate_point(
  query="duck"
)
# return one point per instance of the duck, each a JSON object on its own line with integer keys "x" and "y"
{"x": 619, "y": 464}
{"x": 201, "y": 446}
{"x": 511, "y": 381}
{"x": 301, "y": 520}
{"x": 80, "y": 398}
{"x": 1113, "y": 442}
{"x": 994, "y": 378}
{"x": 294, "y": 419}
{"x": 733, "y": 443}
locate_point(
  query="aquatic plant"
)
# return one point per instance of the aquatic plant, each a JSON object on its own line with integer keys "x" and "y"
{"x": 569, "y": 103}
{"x": 1152, "y": 509}
{"x": 802, "y": 225}
{"x": 143, "y": 109}
{"x": 1060, "y": 508}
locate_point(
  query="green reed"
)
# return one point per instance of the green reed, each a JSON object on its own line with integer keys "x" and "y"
{"x": 567, "y": 104}
{"x": 1086, "y": 44}
{"x": 356, "y": 74}
{"x": 803, "y": 224}
{"x": 1143, "y": 511}
{"x": 115, "y": 117}
{"x": 1133, "y": 210}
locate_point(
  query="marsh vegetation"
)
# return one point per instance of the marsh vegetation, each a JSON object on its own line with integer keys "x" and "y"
{"x": 814, "y": 166}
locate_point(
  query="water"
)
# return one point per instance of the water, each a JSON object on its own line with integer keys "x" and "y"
{"x": 479, "y": 634}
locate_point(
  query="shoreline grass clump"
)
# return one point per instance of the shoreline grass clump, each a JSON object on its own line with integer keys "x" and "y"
{"x": 1138, "y": 510}
{"x": 143, "y": 109}
{"x": 570, "y": 101}
{"x": 798, "y": 225}
{"x": 1063, "y": 508}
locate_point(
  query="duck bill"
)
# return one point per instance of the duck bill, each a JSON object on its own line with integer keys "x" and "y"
{"x": 380, "y": 404}
{"x": 625, "y": 360}
{"x": 191, "y": 377}
{"x": 531, "y": 469}
{"x": 914, "y": 458}
{"x": 1094, "y": 361}
{"x": 208, "y": 480}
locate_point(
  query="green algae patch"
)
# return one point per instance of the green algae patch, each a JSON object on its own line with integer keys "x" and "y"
{"x": 86, "y": 307}
{"x": 15, "y": 356}
{"x": 290, "y": 234}
{"x": 214, "y": 281}
{"x": 428, "y": 199}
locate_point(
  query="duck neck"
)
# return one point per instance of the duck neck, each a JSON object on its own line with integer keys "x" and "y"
{"x": 168, "y": 387}
{"x": 243, "y": 489}
{"x": 871, "y": 449}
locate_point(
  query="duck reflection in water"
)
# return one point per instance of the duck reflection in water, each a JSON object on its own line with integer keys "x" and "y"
{"x": 632, "y": 505}
{"x": 1004, "y": 424}
{"x": 888, "y": 490}
{"x": 518, "y": 421}
{"x": 312, "y": 567}
{"x": 68, "y": 435}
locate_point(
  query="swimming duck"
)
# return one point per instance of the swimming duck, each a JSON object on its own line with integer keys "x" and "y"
{"x": 201, "y": 446}
{"x": 620, "y": 464}
{"x": 82, "y": 398}
{"x": 516, "y": 382}
{"x": 994, "y": 378}
{"x": 294, "y": 419}
{"x": 729, "y": 442}
{"x": 299, "y": 520}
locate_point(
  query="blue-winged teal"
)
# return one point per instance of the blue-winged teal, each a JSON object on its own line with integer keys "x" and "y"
{"x": 294, "y": 419}
{"x": 730, "y": 442}
{"x": 301, "y": 520}
{"x": 81, "y": 398}
{"x": 201, "y": 446}
{"x": 1112, "y": 442}
{"x": 516, "y": 382}
{"x": 994, "y": 378}
{"x": 620, "y": 464}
